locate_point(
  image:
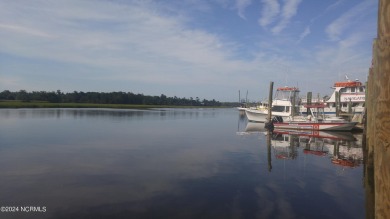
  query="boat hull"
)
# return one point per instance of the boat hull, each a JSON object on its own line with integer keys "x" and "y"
{"x": 257, "y": 115}
{"x": 344, "y": 126}
{"x": 262, "y": 115}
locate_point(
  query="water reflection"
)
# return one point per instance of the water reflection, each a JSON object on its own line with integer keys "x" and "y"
{"x": 169, "y": 163}
{"x": 343, "y": 148}
{"x": 160, "y": 113}
{"x": 343, "y": 152}
{"x": 284, "y": 145}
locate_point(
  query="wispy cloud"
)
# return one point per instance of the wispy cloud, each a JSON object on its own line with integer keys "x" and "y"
{"x": 304, "y": 34}
{"x": 24, "y": 30}
{"x": 341, "y": 24}
{"x": 307, "y": 30}
{"x": 151, "y": 47}
{"x": 281, "y": 14}
{"x": 289, "y": 10}
{"x": 132, "y": 42}
{"x": 241, "y": 6}
{"x": 138, "y": 31}
{"x": 269, "y": 13}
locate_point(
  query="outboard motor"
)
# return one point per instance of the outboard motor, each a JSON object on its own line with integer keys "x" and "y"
{"x": 277, "y": 119}
{"x": 270, "y": 125}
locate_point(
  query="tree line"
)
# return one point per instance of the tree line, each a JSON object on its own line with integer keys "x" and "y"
{"x": 104, "y": 98}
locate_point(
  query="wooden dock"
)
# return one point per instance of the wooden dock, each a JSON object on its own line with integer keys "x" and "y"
{"x": 377, "y": 123}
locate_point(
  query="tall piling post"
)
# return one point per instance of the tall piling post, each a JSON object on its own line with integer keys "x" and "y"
{"x": 293, "y": 102}
{"x": 337, "y": 95}
{"x": 270, "y": 94}
{"x": 308, "y": 101}
{"x": 269, "y": 158}
{"x": 239, "y": 98}
{"x": 271, "y": 88}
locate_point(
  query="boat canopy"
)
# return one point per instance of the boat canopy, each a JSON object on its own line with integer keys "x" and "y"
{"x": 287, "y": 89}
{"x": 348, "y": 84}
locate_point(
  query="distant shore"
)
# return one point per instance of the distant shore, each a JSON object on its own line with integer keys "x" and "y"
{"x": 40, "y": 104}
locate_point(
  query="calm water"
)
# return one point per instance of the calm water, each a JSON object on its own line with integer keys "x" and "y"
{"x": 172, "y": 163}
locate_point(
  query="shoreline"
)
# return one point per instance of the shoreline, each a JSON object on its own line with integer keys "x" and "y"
{"x": 38, "y": 104}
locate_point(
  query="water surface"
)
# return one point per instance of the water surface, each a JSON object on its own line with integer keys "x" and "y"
{"x": 172, "y": 163}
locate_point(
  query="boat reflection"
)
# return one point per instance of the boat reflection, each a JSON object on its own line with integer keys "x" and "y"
{"x": 284, "y": 145}
{"x": 255, "y": 127}
{"x": 252, "y": 128}
{"x": 343, "y": 148}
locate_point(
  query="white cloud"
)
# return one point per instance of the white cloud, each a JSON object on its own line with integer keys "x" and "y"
{"x": 133, "y": 42}
{"x": 241, "y": 6}
{"x": 269, "y": 12}
{"x": 24, "y": 30}
{"x": 341, "y": 24}
{"x": 305, "y": 33}
{"x": 147, "y": 44}
{"x": 102, "y": 34}
{"x": 289, "y": 10}
{"x": 273, "y": 12}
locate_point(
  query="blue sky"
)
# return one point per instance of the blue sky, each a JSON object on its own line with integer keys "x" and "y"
{"x": 187, "y": 48}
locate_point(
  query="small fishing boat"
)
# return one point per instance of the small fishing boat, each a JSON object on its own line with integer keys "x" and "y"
{"x": 282, "y": 105}
{"x": 315, "y": 121}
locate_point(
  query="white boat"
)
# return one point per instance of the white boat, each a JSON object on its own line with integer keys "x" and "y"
{"x": 350, "y": 92}
{"x": 281, "y": 105}
{"x": 316, "y": 121}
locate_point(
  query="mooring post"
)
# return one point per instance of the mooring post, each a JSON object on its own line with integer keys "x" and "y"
{"x": 337, "y": 96}
{"x": 269, "y": 133}
{"x": 308, "y": 102}
{"x": 294, "y": 102}
{"x": 271, "y": 88}
{"x": 269, "y": 151}
{"x": 350, "y": 116}
{"x": 239, "y": 98}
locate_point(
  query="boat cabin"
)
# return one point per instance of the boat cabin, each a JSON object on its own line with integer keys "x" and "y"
{"x": 284, "y": 99}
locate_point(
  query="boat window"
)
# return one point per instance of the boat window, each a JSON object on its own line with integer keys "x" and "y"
{"x": 342, "y": 90}
{"x": 287, "y": 109}
{"x": 281, "y": 95}
{"x": 361, "y": 89}
{"x": 352, "y": 90}
{"x": 278, "y": 108}
{"x": 355, "y": 104}
{"x": 285, "y": 95}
